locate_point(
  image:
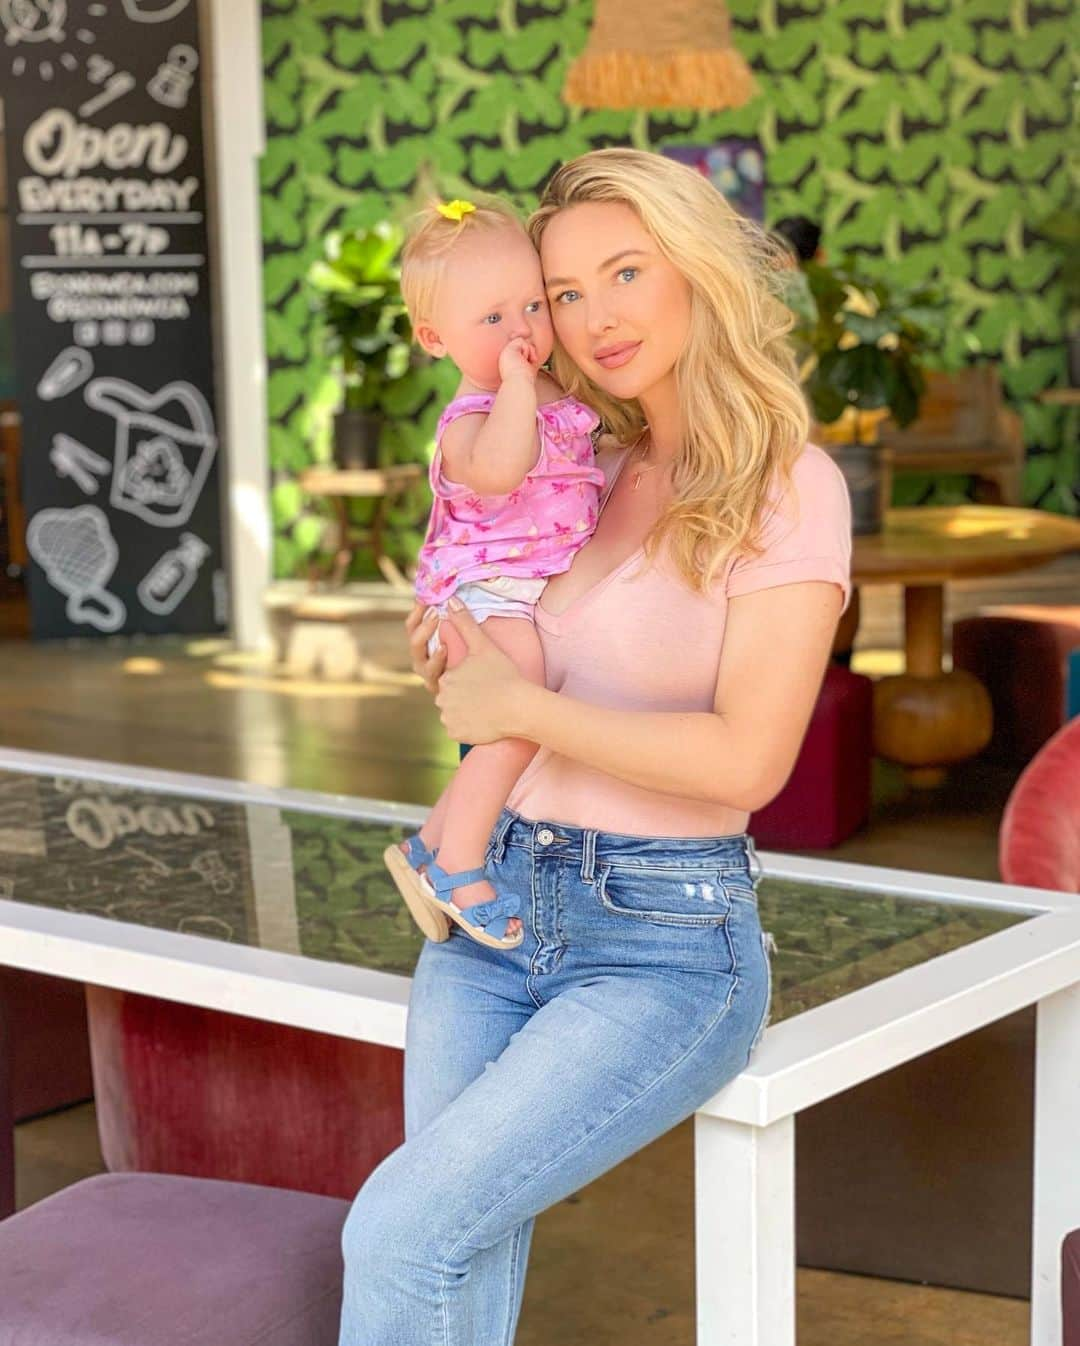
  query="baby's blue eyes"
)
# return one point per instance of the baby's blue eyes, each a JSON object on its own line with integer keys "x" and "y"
{"x": 493, "y": 318}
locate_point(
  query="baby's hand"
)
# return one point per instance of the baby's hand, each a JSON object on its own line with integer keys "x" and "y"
{"x": 518, "y": 357}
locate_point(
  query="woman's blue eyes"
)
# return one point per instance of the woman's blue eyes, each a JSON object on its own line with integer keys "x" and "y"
{"x": 626, "y": 275}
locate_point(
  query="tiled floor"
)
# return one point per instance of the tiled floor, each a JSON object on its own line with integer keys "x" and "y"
{"x": 614, "y": 1264}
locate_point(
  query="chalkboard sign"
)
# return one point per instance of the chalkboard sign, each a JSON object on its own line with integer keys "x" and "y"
{"x": 114, "y": 367}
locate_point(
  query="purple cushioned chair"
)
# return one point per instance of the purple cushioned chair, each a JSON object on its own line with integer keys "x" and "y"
{"x": 1070, "y": 1289}
{"x": 148, "y": 1259}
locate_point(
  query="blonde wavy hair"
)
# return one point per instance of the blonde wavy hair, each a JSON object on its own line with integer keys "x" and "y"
{"x": 744, "y": 416}
{"x": 430, "y": 240}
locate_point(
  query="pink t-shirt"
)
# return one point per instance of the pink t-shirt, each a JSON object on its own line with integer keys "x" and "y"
{"x": 530, "y": 532}
{"x": 644, "y": 640}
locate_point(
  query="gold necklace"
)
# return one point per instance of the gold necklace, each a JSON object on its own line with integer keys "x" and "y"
{"x": 635, "y": 477}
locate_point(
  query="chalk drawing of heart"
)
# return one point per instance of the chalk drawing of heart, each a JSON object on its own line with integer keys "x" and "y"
{"x": 165, "y": 447}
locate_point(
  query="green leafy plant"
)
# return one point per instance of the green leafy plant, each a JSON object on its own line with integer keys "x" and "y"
{"x": 862, "y": 343}
{"x": 357, "y": 287}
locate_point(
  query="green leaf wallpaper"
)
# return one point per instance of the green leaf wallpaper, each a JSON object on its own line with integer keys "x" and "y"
{"x": 927, "y": 137}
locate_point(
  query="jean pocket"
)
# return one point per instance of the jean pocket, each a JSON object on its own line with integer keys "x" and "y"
{"x": 688, "y": 897}
{"x": 739, "y": 885}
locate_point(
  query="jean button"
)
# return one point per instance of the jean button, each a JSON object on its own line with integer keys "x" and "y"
{"x": 545, "y": 836}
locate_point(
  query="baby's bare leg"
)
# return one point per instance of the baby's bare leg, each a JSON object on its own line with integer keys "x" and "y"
{"x": 479, "y": 790}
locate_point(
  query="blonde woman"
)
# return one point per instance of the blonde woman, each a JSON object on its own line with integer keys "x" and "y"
{"x": 684, "y": 649}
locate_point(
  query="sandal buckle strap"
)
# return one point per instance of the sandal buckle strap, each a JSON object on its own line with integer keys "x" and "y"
{"x": 446, "y": 883}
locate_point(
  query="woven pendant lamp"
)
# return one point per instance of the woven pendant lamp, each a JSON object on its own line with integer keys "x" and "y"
{"x": 659, "y": 53}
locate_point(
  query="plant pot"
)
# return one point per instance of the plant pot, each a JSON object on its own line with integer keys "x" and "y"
{"x": 852, "y": 443}
{"x": 861, "y": 468}
{"x": 356, "y": 440}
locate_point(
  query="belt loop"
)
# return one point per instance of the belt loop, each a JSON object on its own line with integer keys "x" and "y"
{"x": 588, "y": 855}
{"x": 498, "y": 841}
{"x": 753, "y": 859}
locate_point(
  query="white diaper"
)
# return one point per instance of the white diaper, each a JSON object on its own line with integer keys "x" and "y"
{"x": 504, "y": 596}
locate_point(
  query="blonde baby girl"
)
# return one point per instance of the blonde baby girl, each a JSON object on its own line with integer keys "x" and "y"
{"x": 516, "y": 495}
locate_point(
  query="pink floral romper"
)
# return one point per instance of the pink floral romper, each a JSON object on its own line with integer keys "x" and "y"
{"x": 495, "y": 552}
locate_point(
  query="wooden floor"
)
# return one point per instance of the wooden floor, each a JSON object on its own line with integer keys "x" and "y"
{"x": 613, "y": 1265}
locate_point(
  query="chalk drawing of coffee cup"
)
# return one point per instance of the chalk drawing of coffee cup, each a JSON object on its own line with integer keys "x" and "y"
{"x": 165, "y": 446}
{"x": 78, "y": 554}
{"x": 154, "y": 11}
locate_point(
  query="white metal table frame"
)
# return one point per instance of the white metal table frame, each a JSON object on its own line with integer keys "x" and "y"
{"x": 745, "y": 1135}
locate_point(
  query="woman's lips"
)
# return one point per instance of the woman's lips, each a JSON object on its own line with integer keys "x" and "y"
{"x": 611, "y": 357}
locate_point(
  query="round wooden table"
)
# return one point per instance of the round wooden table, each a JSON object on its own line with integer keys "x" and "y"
{"x": 927, "y": 718}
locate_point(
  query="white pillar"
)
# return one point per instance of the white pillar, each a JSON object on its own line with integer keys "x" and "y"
{"x": 744, "y": 1184}
{"x": 235, "y": 142}
{"x": 1057, "y": 1155}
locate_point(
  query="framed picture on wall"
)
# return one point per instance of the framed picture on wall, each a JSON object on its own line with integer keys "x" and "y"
{"x": 735, "y": 166}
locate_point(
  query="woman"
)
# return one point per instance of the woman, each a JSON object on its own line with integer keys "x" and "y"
{"x": 685, "y": 647}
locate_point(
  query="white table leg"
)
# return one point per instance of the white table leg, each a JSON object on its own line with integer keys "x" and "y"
{"x": 1057, "y": 1155}
{"x": 744, "y": 1180}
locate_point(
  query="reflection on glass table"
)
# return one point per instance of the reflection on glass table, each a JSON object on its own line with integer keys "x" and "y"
{"x": 301, "y": 882}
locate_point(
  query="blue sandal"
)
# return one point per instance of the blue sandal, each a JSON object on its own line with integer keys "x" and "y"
{"x": 487, "y": 921}
{"x": 415, "y": 844}
{"x": 404, "y": 867}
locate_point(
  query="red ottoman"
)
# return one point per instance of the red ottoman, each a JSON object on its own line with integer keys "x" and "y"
{"x": 827, "y": 796}
{"x": 50, "y": 1050}
{"x": 1020, "y": 654}
{"x": 181, "y": 1089}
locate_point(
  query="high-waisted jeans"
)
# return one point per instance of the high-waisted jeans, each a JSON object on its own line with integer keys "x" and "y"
{"x": 640, "y": 988}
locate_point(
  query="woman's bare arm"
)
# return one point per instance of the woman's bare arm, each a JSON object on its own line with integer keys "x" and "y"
{"x": 776, "y": 646}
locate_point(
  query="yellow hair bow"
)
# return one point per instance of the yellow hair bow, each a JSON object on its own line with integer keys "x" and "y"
{"x": 455, "y": 210}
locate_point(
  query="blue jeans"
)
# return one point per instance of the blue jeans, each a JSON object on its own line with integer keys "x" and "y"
{"x": 640, "y": 989}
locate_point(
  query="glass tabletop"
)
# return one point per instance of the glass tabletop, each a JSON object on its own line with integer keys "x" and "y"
{"x": 314, "y": 884}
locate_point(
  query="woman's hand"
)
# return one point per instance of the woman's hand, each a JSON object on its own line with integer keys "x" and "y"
{"x": 478, "y": 698}
{"x": 421, "y": 624}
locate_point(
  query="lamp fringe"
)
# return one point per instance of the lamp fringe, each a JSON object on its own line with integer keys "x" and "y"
{"x": 719, "y": 78}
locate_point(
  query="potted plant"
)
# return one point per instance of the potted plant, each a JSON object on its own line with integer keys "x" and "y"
{"x": 861, "y": 346}
{"x": 357, "y": 283}
{"x": 1062, "y": 229}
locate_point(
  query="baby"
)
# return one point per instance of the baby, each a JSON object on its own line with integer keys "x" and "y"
{"x": 516, "y": 495}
